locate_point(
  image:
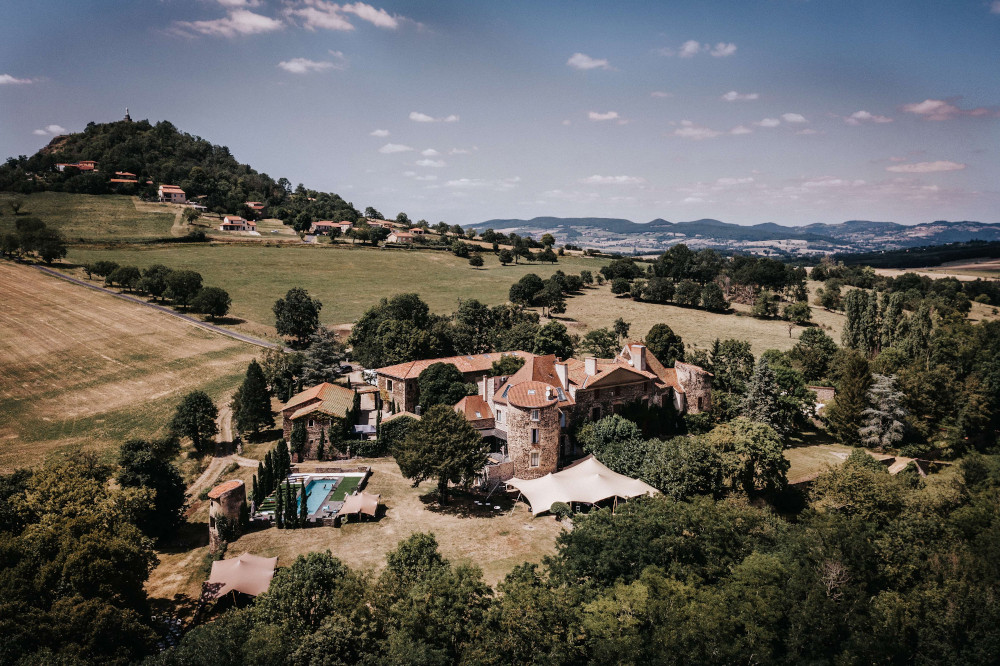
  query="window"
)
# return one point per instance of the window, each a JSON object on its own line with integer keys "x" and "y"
{"x": 534, "y": 415}
{"x": 562, "y": 419}
{"x": 616, "y": 391}
{"x": 311, "y": 423}
{"x": 388, "y": 385}
{"x": 534, "y": 435}
{"x": 535, "y": 459}
{"x": 597, "y": 394}
{"x": 700, "y": 403}
{"x": 595, "y": 414}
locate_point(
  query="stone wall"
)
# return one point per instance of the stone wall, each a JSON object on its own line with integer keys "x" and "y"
{"x": 607, "y": 398}
{"x": 697, "y": 385}
{"x": 320, "y": 423}
{"x": 403, "y": 393}
{"x": 228, "y": 505}
{"x": 520, "y": 447}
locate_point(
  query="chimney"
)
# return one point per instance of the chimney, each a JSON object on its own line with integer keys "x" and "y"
{"x": 548, "y": 392}
{"x": 484, "y": 391}
{"x": 590, "y": 365}
{"x": 638, "y": 356}
{"x": 562, "y": 372}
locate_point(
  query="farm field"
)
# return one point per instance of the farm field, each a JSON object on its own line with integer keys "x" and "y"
{"x": 494, "y": 540}
{"x": 348, "y": 280}
{"x": 93, "y": 217}
{"x": 82, "y": 368}
{"x": 598, "y": 308}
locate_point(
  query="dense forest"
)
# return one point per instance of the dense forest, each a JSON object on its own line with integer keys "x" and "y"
{"x": 929, "y": 255}
{"x": 161, "y": 154}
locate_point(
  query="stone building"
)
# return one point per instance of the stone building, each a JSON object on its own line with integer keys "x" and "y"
{"x": 316, "y": 408}
{"x": 226, "y": 501}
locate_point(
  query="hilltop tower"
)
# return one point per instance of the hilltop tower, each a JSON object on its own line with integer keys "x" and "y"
{"x": 127, "y": 118}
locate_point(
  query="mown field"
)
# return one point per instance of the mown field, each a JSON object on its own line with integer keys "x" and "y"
{"x": 92, "y": 217}
{"x": 84, "y": 369}
{"x": 348, "y": 280}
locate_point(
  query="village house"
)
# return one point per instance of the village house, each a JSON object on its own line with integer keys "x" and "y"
{"x": 316, "y": 407}
{"x": 323, "y": 227}
{"x": 532, "y": 412}
{"x": 82, "y": 165}
{"x": 255, "y": 206}
{"x": 399, "y": 237}
{"x": 171, "y": 194}
{"x": 237, "y": 223}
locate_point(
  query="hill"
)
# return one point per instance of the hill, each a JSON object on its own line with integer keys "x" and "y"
{"x": 161, "y": 154}
{"x": 767, "y": 238}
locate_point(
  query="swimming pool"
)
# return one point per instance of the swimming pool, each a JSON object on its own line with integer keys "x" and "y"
{"x": 317, "y": 491}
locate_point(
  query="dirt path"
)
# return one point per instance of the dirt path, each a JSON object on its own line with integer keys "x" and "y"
{"x": 178, "y": 228}
{"x": 191, "y": 320}
{"x": 224, "y": 421}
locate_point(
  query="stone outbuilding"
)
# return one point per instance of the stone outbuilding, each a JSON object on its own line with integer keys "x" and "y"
{"x": 226, "y": 500}
{"x": 316, "y": 407}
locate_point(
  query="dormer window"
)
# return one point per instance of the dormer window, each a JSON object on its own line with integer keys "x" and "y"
{"x": 534, "y": 415}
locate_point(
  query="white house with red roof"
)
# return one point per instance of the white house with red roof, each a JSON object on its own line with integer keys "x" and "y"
{"x": 237, "y": 223}
{"x": 171, "y": 194}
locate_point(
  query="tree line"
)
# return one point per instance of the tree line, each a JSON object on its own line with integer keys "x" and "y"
{"x": 182, "y": 287}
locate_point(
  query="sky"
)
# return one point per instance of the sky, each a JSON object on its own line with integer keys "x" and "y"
{"x": 748, "y": 111}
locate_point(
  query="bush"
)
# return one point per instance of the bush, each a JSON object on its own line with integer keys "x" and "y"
{"x": 620, "y": 285}
{"x": 561, "y": 510}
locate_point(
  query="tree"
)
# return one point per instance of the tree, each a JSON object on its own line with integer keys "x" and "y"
{"x": 713, "y": 299}
{"x": 126, "y": 277}
{"x": 212, "y": 301}
{"x": 733, "y": 365}
{"x": 303, "y": 595}
{"x": 506, "y": 257}
{"x": 195, "y": 419}
{"x": 620, "y": 285}
{"x": 104, "y": 268}
{"x": 476, "y": 260}
{"x": 154, "y": 280}
{"x": 553, "y": 338}
{"x": 252, "y": 402}
{"x": 297, "y": 315}
{"x": 761, "y": 401}
{"x": 765, "y": 306}
{"x": 658, "y": 290}
{"x": 621, "y": 328}
{"x": 684, "y": 467}
{"x": 687, "y": 292}
{"x": 814, "y": 352}
{"x": 182, "y": 286}
{"x": 548, "y": 240}
{"x": 460, "y": 249}
{"x": 444, "y": 446}
{"x": 303, "y": 504}
{"x": 616, "y": 442}
{"x": 861, "y": 328}
{"x": 506, "y": 366}
{"x": 599, "y": 342}
{"x": 798, "y": 313}
{"x": 441, "y": 384}
{"x": 323, "y": 358}
{"x": 665, "y": 345}
{"x": 548, "y": 255}
{"x": 50, "y": 245}
{"x": 885, "y": 419}
{"x": 523, "y": 291}
{"x": 845, "y": 416}
{"x": 146, "y": 465}
{"x": 752, "y": 454}
{"x": 298, "y": 439}
{"x": 373, "y": 214}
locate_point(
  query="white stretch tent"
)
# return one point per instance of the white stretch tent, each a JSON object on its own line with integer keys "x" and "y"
{"x": 587, "y": 481}
{"x": 249, "y": 574}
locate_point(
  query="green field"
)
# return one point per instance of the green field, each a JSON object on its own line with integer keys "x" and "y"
{"x": 348, "y": 280}
{"x": 93, "y": 217}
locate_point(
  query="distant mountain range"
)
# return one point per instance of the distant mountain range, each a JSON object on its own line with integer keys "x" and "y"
{"x": 622, "y": 235}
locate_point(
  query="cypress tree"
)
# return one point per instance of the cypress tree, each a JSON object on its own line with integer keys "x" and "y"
{"x": 262, "y": 487}
{"x": 846, "y": 415}
{"x": 320, "y": 448}
{"x": 255, "y": 495}
{"x": 870, "y": 325}
{"x": 891, "y": 328}
{"x": 285, "y": 459}
{"x": 252, "y": 403}
{"x": 303, "y": 508}
{"x": 279, "y": 510}
{"x": 268, "y": 473}
{"x": 298, "y": 439}
{"x": 761, "y": 401}
{"x": 884, "y": 421}
{"x": 291, "y": 515}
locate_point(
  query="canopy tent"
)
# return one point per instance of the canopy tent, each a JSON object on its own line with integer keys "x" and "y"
{"x": 587, "y": 481}
{"x": 359, "y": 503}
{"x": 249, "y": 574}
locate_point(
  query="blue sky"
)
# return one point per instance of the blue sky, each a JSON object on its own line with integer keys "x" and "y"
{"x": 788, "y": 111}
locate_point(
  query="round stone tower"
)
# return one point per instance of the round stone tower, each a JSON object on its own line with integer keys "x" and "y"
{"x": 533, "y": 429}
{"x": 226, "y": 500}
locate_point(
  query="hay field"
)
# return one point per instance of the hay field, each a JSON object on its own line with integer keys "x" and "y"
{"x": 348, "y": 280}
{"x": 598, "y": 308}
{"x": 93, "y": 217}
{"x": 81, "y": 368}
{"x": 494, "y": 540}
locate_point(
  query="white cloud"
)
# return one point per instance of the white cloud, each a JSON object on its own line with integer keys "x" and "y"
{"x": 418, "y": 117}
{"x": 305, "y": 65}
{"x": 926, "y": 167}
{"x": 688, "y": 130}
{"x": 380, "y": 132}
{"x": 807, "y": 131}
{"x": 995, "y": 7}
{"x": 462, "y": 151}
{"x": 51, "y": 130}
{"x": 430, "y": 152}
{"x": 584, "y": 62}
{"x": 693, "y": 200}
{"x": 722, "y": 50}
{"x": 500, "y": 185}
{"x": 769, "y": 122}
{"x": 238, "y": 22}
{"x": 323, "y": 15}
{"x": 793, "y": 118}
{"x": 426, "y": 178}
{"x": 660, "y": 94}
{"x": 436, "y": 164}
{"x": 859, "y": 117}
{"x": 939, "y": 109}
{"x": 733, "y": 96}
{"x": 610, "y": 115}
{"x": 741, "y": 129}
{"x": 689, "y": 49}
{"x": 612, "y": 180}
{"x": 239, "y": 3}
{"x": 8, "y": 80}
{"x": 390, "y": 148}
{"x": 726, "y": 182}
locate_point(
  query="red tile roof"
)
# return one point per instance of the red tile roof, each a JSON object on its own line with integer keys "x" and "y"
{"x": 473, "y": 363}
{"x": 223, "y": 488}
{"x": 474, "y": 408}
{"x": 532, "y": 394}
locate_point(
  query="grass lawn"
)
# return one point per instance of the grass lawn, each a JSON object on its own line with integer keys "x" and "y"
{"x": 496, "y": 541}
{"x": 93, "y": 217}
{"x": 348, "y": 280}
{"x": 81, "y": 368}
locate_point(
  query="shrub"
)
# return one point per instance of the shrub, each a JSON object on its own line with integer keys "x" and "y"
{"x": 561, "y": 510}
